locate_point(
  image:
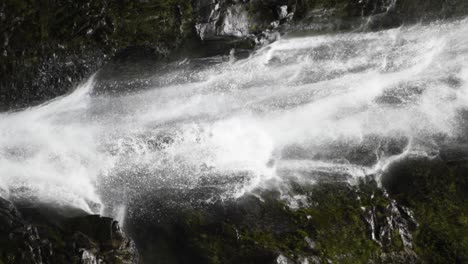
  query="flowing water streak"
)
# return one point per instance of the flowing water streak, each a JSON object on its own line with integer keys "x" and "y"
{"x": 47, "y": 154}
{"x": 323, "y": 107}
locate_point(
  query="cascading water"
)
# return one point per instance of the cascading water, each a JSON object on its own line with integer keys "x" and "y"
{"x": 330, "y": 107}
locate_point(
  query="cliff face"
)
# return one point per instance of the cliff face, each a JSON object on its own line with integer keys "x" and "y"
{"x": 47, "y": 47}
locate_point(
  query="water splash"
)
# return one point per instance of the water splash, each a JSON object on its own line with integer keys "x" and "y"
{"x": 332, "y": 106}
{"x": 48, "y": 154}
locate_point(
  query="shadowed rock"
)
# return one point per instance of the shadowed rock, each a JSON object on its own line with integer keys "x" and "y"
{"x": 42, "y": 234}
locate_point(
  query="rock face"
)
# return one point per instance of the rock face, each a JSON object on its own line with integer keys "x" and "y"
{"x": 334, "y": 223}
{"x": 47, "y": 47}
{"x": 419, "y": 219}
{"x": 45, "y": 235}
{"x": 436, "y": 193}
{"x": 220, "y": 19}
{"x": 215, "y": 19}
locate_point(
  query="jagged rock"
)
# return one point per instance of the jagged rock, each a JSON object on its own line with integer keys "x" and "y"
{"x": 44, "y": 235}
{"x": 222, "y": 21}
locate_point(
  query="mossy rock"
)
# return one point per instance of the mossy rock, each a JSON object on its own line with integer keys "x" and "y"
{"x": 47, "y": 47}
{"x": 258, "y": 228}
{"x": 436, "y": 192}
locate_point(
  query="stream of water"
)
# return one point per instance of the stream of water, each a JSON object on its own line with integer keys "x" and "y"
{"x": 330, "y": 107}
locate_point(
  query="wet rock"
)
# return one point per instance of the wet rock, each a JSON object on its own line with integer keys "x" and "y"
{"x": 435, "y": 192}
{"x": 45, "y": 49}
{"x": 331, "y": 227}
{"x": 337, "y": 222}
{"x": 43, "y": 235}
{"x": 220, "y": 19}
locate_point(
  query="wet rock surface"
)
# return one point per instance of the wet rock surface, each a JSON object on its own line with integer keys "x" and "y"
{"x": 435, "y": 192}
{"x": 415, "y": 221}
{"x": 416, "y": 216}
{"x": 46, "y": 48}
{"x": 42, "y": 234}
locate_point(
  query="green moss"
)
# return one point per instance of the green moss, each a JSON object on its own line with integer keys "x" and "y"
{"x": 70, "y": 39}
{"x": 333, "y": 221}
{"x": 341, "y": 232}
{"x": 436, "y": 192}
{"x": 332, "y": 224}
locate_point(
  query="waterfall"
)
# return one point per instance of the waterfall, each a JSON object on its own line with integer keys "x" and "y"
{"x": 336, "y": 107}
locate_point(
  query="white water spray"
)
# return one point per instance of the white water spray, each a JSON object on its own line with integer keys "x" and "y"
{"x": 345, "y": 104}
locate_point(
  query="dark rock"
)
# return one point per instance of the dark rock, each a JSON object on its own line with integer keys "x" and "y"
{"x": 331, "y": 225}
{"x": 43, "y": 234}
{"x": 418, "y": 220}
{"x": 220, "y": 19}
{"x": 436, "y": 193}
{"x": 47, "y": 47}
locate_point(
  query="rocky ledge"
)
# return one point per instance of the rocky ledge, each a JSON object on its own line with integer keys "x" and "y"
{"x": 43, "y": 234}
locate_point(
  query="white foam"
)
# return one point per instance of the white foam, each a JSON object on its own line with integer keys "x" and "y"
{"x": 326, "y": 94}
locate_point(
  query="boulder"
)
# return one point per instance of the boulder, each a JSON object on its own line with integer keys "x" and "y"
{"x": 43, "y": 234}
